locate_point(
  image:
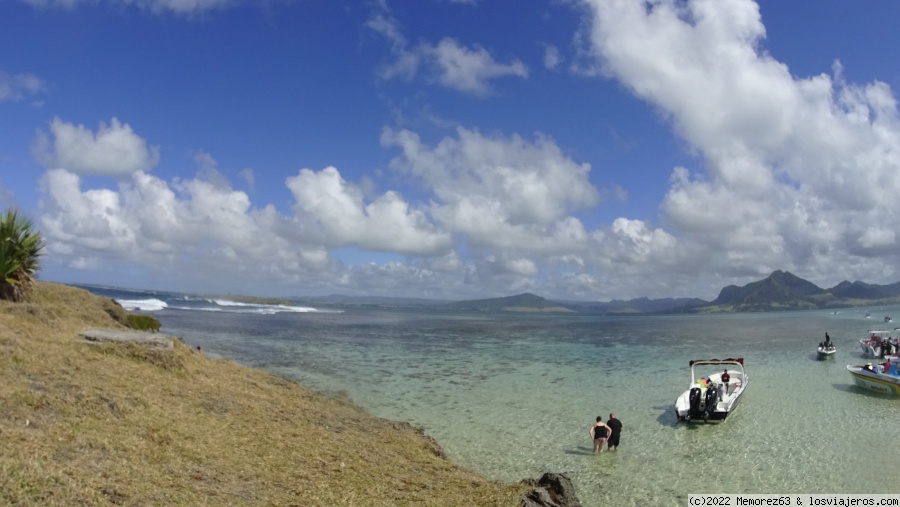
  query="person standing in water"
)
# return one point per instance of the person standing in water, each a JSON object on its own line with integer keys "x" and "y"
{"x": 599, "y": 433}
{"x": 615, "y": 427}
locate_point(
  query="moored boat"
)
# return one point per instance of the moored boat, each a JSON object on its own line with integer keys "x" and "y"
{"x": 826, "y": 348}
{"x": 822, "y": 351}
{"x": 880, "y": 378}
{"x": 714, "y": 396}
{"x": 878, "y": 343}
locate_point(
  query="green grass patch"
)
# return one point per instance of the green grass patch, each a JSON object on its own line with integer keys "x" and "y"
{"x": 143, "y": 323}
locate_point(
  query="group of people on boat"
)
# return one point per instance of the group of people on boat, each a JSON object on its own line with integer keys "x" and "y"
{"x": 720, "y": 387}
{"x": 705, "y": 381}
{"x": 887, "y": 368}
{"x": 889, "y": 347}
{"x": 827, "y": 344}
{"x": 879, "y": 346}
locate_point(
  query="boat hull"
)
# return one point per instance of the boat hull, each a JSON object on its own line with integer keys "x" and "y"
{"x": 715, "y": 396}
{"x": 876, "y": 382}
{"x": 823, "y": 353}
{"x": 878, "y": 343}
{"x": 869, "y": 350}
{"x": 722, "y": 409}
{"x": 720, "y": 413}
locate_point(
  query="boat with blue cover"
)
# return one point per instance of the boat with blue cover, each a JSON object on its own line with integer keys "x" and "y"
{"x": 883, "y": 378}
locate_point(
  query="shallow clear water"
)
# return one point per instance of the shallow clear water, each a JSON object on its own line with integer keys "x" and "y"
{"x": 514, "y": 396}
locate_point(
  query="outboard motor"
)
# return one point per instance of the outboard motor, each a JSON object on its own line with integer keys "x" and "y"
{"x": 712, "y": 397}
{"x": 694, "y": 398}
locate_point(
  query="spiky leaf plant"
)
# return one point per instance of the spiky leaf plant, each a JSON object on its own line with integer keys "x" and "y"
{"x": 20, "y": 248}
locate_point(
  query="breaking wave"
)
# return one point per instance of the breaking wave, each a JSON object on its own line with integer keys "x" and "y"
{"x": 147, "y": 305}
{"x": 154, "y": 301}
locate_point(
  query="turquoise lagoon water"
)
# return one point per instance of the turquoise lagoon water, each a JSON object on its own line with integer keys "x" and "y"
{"x": 513, "y": 396}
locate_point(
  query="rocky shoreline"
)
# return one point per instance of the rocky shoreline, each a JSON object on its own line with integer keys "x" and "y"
{"x": 551, "y": 490}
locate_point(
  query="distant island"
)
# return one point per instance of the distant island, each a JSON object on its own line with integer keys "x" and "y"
{"x": 521, "y": 303}
{"x": 253, "y": 300}
{"x": 780, "y": 291}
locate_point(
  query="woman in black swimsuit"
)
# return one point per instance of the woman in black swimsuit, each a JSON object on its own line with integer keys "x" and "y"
{"x": 599, "y": 433}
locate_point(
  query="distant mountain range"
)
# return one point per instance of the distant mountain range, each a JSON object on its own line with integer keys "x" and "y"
{"x": 779, "y": 291}
{"x": 785, "y": 291}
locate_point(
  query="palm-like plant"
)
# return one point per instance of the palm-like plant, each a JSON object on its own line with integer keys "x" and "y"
{"x": 20, "y": 248}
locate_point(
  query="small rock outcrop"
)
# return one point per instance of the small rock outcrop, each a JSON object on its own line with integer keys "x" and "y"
{"x": 551, "y": 490}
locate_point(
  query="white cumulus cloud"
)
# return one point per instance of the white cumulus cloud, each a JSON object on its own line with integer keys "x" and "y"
{"x": 449, "y": 63}
{"x": 468, "y": 69}
{"x": 499, "y": 191}
{"x": 334, "y": 211}
{"x": 114, "y": 150}
{"x": 801, "y": 172}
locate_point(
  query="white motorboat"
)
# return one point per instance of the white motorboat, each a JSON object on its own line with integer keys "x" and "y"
{"x": 822, "y": 351}
{"x": 880, "y": 378}
{"x": 877, "y": 343}
{"x": 714, "y": 396}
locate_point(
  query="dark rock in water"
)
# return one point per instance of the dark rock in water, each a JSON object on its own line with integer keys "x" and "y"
{"x": 551, "y": 490}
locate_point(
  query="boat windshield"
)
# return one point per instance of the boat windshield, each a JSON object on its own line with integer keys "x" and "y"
{"x": 725, "y": 363}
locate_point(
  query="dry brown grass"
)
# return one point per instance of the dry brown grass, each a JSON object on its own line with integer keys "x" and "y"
{"x": 120, "y": 424}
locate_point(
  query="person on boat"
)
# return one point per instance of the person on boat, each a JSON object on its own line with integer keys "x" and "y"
{"x": 725, "y": 379}
{"x": 599, "y": 433}
{"x": 615, "y": 427}
{"x": 828, "y": 343}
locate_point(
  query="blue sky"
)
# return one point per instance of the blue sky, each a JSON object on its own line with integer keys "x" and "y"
{"x": 578, "y": 149}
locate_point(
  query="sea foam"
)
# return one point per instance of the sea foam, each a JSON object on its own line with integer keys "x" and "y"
{"x": 262, "y": 308}
{"x": 147, "y": 305}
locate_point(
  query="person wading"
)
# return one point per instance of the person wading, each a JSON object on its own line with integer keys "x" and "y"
{"x": 599, "y": 433}
{"x": 615, "y": 427}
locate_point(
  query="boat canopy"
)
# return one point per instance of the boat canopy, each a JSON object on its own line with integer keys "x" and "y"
{"x": 730, "y": 360}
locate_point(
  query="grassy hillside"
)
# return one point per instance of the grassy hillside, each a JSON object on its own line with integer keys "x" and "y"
{"x": 85, "y": 424}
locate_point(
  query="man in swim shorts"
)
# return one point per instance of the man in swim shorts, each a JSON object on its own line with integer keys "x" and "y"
{"x": 599, "y": 433}
{"x": 615, "y": 431}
